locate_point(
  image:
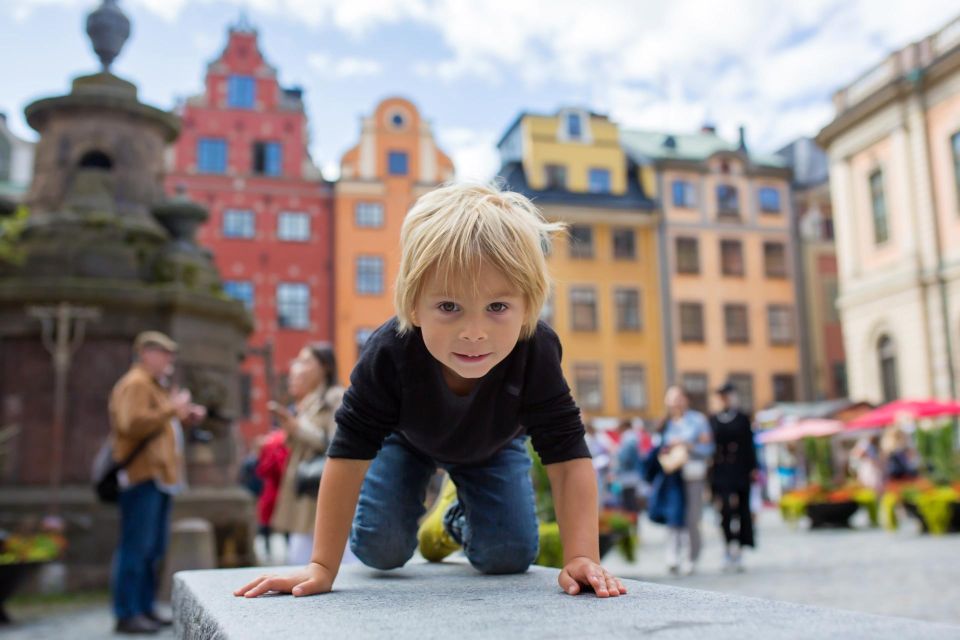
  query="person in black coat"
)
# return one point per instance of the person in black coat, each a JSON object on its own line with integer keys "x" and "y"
{"x": 734, "y": 469}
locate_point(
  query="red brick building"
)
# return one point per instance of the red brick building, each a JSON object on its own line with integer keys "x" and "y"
{"x": 243, "y": 154}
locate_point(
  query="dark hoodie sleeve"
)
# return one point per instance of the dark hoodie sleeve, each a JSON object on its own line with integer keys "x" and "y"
{"x": 371, "y": 406}
{"x": 548, "y": 412}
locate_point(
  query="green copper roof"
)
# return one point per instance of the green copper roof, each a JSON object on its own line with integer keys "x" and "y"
{"x": 646, "y": 146}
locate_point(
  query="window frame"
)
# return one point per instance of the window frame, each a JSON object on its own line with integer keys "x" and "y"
{"x": 880, "y": 215}
{"x": 700, "y": 336}
{"x": 584, "y": 291}
{"x": 624, "y": 232}
{"x": 581, "y": 250}
{"x": 732, "y": 273}
{"x": 724, "y": 211}
{"x": 687, "y": 192}
{"x": 241, "y": 91}
{"x": 230, "y": 219}
{"x": 230, "y": 288}
{"x": 620, "y": 304}
{"x": 285, "y": 302}
{"x": 787, "y": 311}
{"x": 623, "y": 370}
{"x": 213, "y": 156}
{"x": 733, "y": 337}
{"x": 778, "y": 208}
{"x": 599, "y": 180}
{"x": 366, "y": 220}
{"x": 581, "y": 372}
{"x": 300, "y": 217}
{"x": 769, "y": 269}
{"x": 364, "y": 272}
{"x": 694, "y": 267}
{"x": 394, "y": 158}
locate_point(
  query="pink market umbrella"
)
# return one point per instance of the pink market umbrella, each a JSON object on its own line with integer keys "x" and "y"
{"x": 810, "y": 428}
{"x": 890, "y": 413}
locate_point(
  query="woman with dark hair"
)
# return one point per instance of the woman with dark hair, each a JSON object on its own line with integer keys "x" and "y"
{"x": 312, "y": 384}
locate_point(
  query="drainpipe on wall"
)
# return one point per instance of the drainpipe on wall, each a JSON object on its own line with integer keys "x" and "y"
{"x": 665, "y": 297}
{"x": 807, "y": 387}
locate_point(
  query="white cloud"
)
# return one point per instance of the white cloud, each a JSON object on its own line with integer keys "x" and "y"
{"x": 770, "y": 65}
{"x": 473, "y": 152}
{"x": 345, "y": 67}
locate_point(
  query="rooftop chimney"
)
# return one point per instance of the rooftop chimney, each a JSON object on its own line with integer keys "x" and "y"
{"x": 708, "y": 127}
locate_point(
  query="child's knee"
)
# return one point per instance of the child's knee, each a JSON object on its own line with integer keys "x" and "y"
{"x": 503, "y": 558}
{"x": 381, "y": 552}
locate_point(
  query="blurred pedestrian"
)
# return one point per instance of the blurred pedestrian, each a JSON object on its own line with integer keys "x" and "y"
{"x": 629, "y": 467}
{"x": 686, "y": 433}
{"x": 898, "y": 454}
{"x": 732, "y": 475}
{"x": 865, "y": 463}
{"x": 146, "y": 417}
{"x": 309, "y": 428}
{"x": 271, "y": 464}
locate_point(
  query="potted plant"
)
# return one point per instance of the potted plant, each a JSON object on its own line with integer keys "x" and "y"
{"x": 22, "y": 555}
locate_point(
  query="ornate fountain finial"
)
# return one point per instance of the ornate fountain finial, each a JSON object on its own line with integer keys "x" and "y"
{"x": 108, "y": 28}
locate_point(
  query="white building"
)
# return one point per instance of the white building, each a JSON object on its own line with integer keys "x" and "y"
{"x": 894, "y": 155}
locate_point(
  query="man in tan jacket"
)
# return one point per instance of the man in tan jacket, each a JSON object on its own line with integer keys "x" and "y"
{"x": 143, "y": 408}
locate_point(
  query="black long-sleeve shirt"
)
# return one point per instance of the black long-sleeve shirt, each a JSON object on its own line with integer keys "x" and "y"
{"x": 397, "y": 386}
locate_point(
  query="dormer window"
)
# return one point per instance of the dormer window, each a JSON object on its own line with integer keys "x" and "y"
{"x": 574, "y": 126}
{"x": 241, "y": 92}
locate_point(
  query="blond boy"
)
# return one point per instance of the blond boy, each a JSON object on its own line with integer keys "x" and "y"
{"x": 457, "y": 380}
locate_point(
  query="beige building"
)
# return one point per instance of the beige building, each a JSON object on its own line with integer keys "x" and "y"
{"x": 894, "y": 154}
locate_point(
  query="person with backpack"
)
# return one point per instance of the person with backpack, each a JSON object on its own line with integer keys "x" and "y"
{"x": 145, "y": 422}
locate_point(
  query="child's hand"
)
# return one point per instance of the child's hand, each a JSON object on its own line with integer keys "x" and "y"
{"x": 581, "y": 572}
{"x": 313, "y": 579}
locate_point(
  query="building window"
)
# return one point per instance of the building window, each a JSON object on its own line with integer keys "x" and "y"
{"x": 633, "y": 387}
{"x": 727, "y": 201}
{"x": 238, "y": 223}
{"x": 695, "y": 385}
{"x": 574, "y": 126}
{"x": 267, "y": 158}
{"x": 840, "y": 379}
{"x": 784, "y": 387}
{"x": 684, "y": 194}
{"x": 361, "y": 336}
{"x": 780, "y": 323}
{"x": 586, "y": 379}
{"x": 546, "y": 311}
{"x": 397, "y": 163}
{"x": 775, "y": 259}
{"x": 599, "y": 181}
{"x": 241, "y": 92}
{"x": 581, "y": 241}
{"x": 370, "y": 275}
{"x": 212, "y": 155}
{"x": 769, "y": 200}
{"x": 241, "y": 290}
{"x": 293, "y": 226}
{"x": 628, "y": 309}
{"x": 555, "y": 176}
{"x": 293, "y": 305}
{"x": 246, "y": 395}
{"x": 736, "y": 323}
{"x": 368, "y": 214}
{"x": 731, "y": 258}
{"x": 955, "y": 146}
{"x": 583, "y": 308}
{"x": 889, "y": 383}
{"x": 744, "y": 385}
{"x": 624, "y": 244}
{"x": 691, "y": 322}
{"x": 881, "y": 230}
{"x": 688, "y": 255}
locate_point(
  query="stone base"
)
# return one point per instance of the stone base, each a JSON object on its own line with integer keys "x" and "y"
{"x": 451, "y": 600}
{"x": 92, "y": 528}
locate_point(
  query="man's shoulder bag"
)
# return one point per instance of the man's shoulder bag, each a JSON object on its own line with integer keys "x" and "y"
{"x": 106, "y": 474}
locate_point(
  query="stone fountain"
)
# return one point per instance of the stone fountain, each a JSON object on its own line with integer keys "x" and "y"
{"x": 106, "y": 255}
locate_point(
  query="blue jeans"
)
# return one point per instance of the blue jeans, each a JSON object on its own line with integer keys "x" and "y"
{"x": 144, "y": 531}
{"x": 500, "y": 532}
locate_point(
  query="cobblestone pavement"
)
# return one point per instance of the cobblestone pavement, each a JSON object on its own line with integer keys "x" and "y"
{"x": 901, "y": 574}
{"x": 874, "y": 571}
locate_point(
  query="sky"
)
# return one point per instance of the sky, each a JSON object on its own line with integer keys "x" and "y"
{"x": 471, "y": 66}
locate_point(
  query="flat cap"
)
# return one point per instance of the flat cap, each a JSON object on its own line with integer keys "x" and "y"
{"x": 154, "y": 339}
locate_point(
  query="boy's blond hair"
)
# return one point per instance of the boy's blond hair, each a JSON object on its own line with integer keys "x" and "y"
{"x": 457, "y": 228}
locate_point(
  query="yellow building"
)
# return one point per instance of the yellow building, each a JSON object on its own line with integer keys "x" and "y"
{"x": 728, "y": 261}
{"x": 605, "y": 306}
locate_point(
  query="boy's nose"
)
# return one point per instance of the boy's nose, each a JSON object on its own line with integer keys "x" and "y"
{"x": 473, "y": 332}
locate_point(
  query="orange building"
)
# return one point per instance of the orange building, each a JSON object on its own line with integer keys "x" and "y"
{"x": 727, "y": 261}
{"x": 395, "y": 162}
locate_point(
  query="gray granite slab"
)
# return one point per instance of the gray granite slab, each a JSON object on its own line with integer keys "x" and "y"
{"x": 451, "y": 600}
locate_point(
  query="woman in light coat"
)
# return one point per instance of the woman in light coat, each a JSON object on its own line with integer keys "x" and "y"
{"x": 309, "y": 427}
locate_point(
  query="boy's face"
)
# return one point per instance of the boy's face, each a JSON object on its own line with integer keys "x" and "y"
{"x": 470, "y": 330}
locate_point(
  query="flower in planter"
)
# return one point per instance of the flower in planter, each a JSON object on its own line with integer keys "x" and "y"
{"x": 41, "y": 547}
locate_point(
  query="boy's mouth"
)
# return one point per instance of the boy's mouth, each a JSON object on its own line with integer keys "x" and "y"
{"x": 470, "y": 359}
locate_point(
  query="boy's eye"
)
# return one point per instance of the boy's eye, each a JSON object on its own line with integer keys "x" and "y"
{"x": 447, "y": 307}
{"x": 497, "y": 307}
